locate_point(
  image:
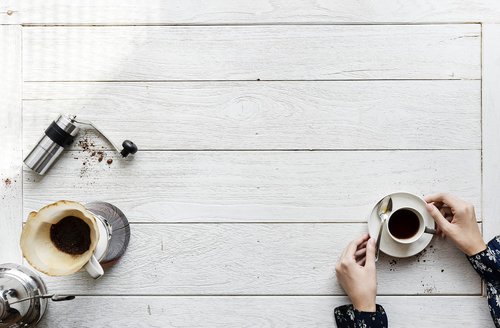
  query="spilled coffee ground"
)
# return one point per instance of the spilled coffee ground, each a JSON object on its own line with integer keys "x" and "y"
{"x": 91, "y": 155}
{"x": 71, "y": 235}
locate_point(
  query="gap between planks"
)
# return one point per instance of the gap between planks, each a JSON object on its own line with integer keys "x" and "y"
{"x": 360, "y": 23}
{"x": 236, "y": 80}
{"x": 257, "y": 222}
{"x": 266, "y": 295}
{"x": 287, "y": 150}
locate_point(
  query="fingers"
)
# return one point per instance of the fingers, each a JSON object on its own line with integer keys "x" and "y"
{"x": 448, "y": 199}
{"x": 438, "y": 217}
{"x": 370, "y": 253}
{"x": 350, "y": 250}
{"x": 364, "y": 238}
{"x": 360, "y": 252}
{"x": 446, "y": 212}
{"x": 361, "y": 262}
{"x": 439, "y": 205}
{"x": 360, "y": 256}
{"x": 440, "y": 232}
{"x": 362, "y": 245}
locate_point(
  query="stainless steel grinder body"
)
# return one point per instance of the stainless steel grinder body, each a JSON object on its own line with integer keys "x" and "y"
{"x": 59, "y": 134}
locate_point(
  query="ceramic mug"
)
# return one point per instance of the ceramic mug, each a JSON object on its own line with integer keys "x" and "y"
{"x": 406, "y": 225}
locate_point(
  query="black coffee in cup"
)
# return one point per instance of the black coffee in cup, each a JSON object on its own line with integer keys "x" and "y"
{"x": 71, "y": 235}
{"x": 404, "y": 224}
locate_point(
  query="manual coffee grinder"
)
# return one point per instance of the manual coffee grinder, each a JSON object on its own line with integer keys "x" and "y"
{"x": 60, "y": 134}
{"x": 23, "y": 297}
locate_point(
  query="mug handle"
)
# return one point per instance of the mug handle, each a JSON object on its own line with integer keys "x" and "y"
{"x": 429, "y": 230}
{"x": 94, "y": 268}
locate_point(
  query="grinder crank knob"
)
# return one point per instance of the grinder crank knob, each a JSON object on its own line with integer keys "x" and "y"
{"x": 128, "y": 148}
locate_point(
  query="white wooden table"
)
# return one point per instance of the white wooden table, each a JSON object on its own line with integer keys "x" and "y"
{"x": 267, "y": 131}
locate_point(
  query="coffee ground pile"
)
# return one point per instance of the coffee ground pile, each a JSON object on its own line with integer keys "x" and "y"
{"x": 71, "y": 235}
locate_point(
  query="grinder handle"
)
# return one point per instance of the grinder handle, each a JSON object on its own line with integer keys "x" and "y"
{"x": 128, "y": 146}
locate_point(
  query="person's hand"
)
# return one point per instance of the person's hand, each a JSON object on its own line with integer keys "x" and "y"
{"x": 456, "y": 220}
{"x": 356, "y": 273}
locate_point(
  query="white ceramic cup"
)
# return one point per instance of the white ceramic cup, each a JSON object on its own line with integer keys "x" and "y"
{"x": 419, "y": 232}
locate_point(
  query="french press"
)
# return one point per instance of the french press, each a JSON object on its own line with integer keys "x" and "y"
{"x": 58, "y": 135}
{"x": 23, "y": 297}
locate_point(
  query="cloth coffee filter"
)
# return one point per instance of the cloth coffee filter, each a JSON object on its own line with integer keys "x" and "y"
{"x": 37, "y": 247}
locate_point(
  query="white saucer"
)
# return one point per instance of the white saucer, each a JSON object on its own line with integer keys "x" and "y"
{"x": 387, "y": 244}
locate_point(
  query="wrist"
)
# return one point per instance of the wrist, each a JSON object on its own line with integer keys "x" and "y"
{"x": 365, "y": 306}
{"x": 475, "y": 248}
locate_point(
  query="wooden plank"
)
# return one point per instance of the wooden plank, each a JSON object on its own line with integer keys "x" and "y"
{"x": 491, "y": 133}
{"x": 266, "y": 115}
{"x": 249, "y": 186}
{"x": 252, "y": 52}
{"x": 262, "y": 259}
{"x": 270, "y": 311}
{"x": 261, "y": 11}
{"x": 11, "y": 136}
{"x": 9, "y": 12}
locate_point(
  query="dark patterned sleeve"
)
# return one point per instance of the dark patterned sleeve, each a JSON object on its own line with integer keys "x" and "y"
{"x": 347, "y": 316}
{"x": 487, "y": 264}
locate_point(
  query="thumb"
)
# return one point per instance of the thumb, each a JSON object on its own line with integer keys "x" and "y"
{"x": 370, "y": 253}
{"x": 438, "y": 217}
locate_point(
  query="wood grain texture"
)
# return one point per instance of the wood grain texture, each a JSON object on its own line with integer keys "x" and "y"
{"x": 263, "y": 259}
{"x": 11, "y": 138}
{"x": 9, "y": 12}
{"x": 266, "y": 115}
{"x": 251, "y": 52}
{"x": 252, "y": 186}
{"x": 265, "y": 312}
{"x": 491, "y": 132}
{"x": 257, "y": 11}
{"x": 240, "y": 237}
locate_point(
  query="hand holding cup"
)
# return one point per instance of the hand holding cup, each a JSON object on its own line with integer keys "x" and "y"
{"x": 456, "y": 220}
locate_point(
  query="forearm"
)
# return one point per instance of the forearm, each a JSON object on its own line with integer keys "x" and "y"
{"x": 487, "y": 265}
{"x": 494, "y": 302}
